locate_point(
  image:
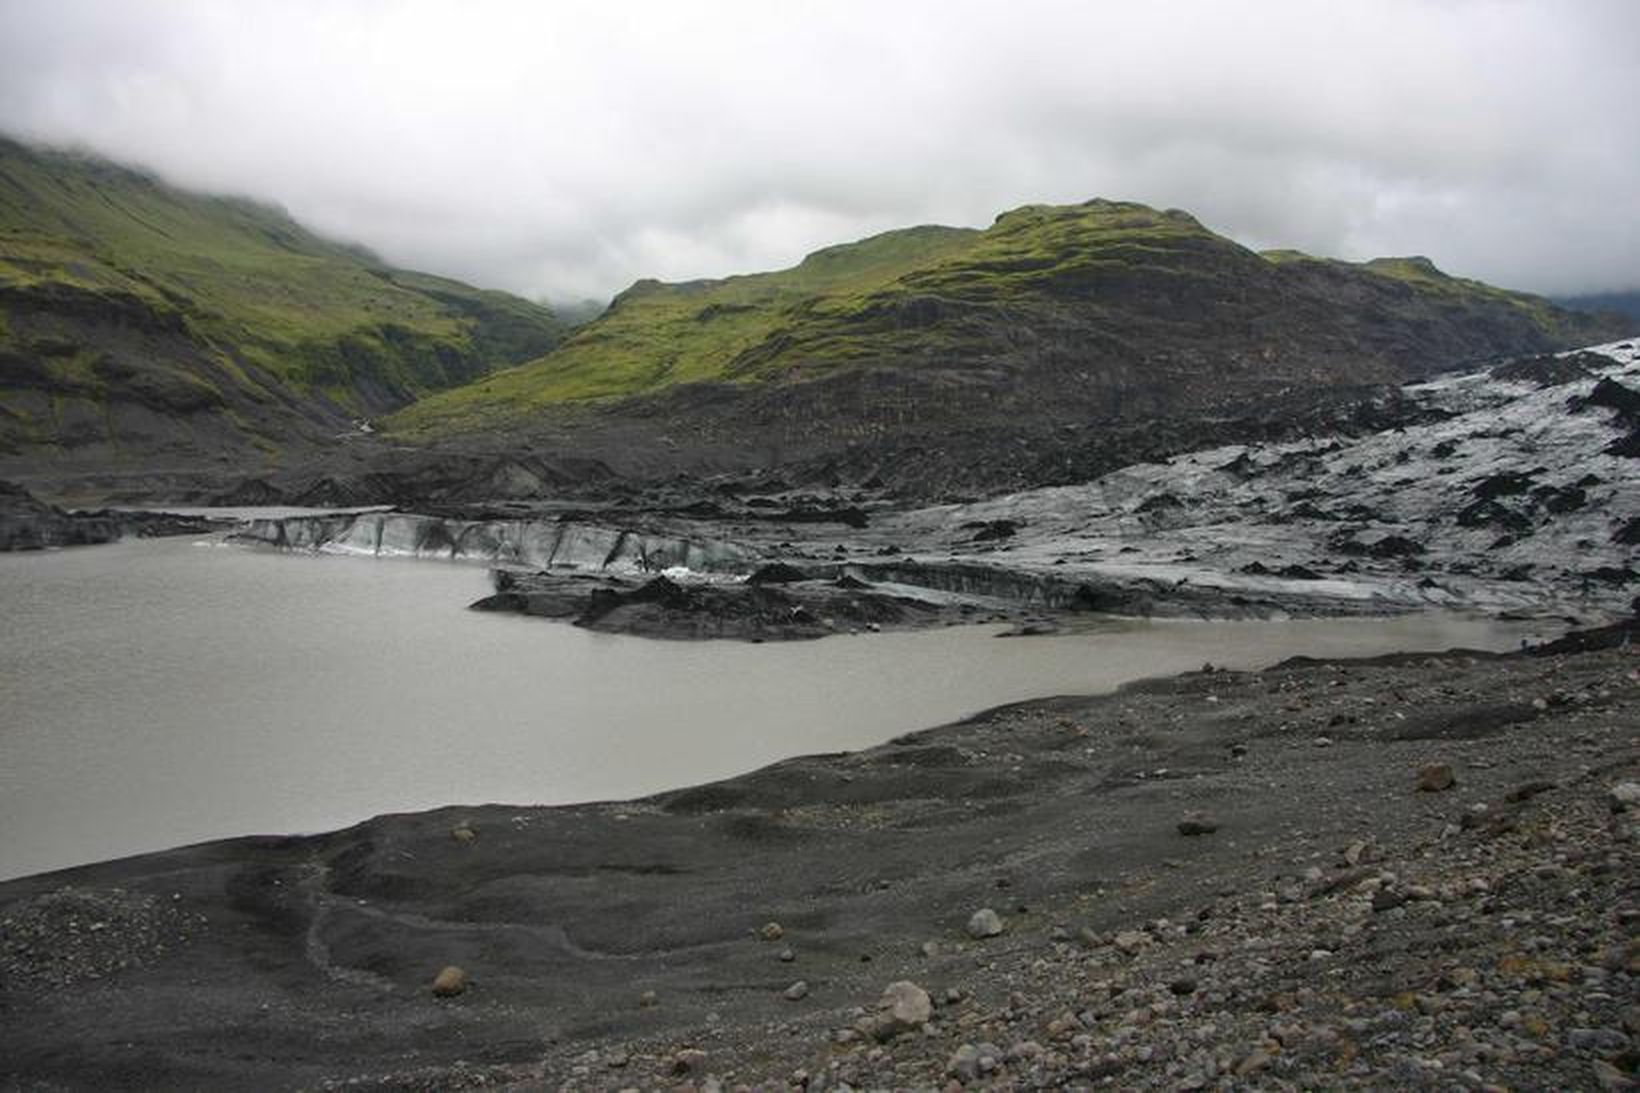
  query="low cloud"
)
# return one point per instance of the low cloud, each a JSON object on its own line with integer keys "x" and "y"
{"x": 568, "y": 149}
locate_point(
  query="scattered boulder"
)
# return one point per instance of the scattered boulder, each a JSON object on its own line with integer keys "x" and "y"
{"x": 1131, "y": 941}
{"x": 1624, "y": 796}
{"x": 689, "y": 1063}
{"x": 771, "y": 931}
{"x": 450, "y": 981}
{"x": 1436, "y": 777}
{"x": 984, "y": 923}
{"x": 797, "y": 991}
{"x": 1197, "y": 824}
{"x": 974, "y": 1062}
{"x": 904, "y": 1007}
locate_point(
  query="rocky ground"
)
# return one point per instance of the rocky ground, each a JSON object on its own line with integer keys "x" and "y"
{"x": 1411, "y": 872}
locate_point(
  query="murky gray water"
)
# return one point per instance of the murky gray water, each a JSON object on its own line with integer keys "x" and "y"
{"x": 165, "y": 692}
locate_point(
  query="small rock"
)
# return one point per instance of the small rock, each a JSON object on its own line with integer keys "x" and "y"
{"x": 449, "y": 982}
{"x": 904, "y": 1007}
{"x": 689, "y": 1063}
{"x": 648, "y": 999}
{"x": 1610, "y": 1077}
{"x": 1197, "y": 824}
{"x": 1604, "y": 1041}
{"x": 463, "y": 833}
{"x": 1436, "y": 777}
{"x": 1322, "y": 742}
{"x": 797, "y": 991}
{"x": 1387, "y": 899}
{"x": 971, "y": 1062}
{"x": 984, "y": 923}
{"x": 772, "y": 931}
{"x": 1131, "y": 941}
{"x": 1065, "y": 1025}
{"x": 1527, "y": 790}
{"x": 1183, "y": 986}
{"x": 787, "y": 955}
{"x": 1624, "y": 796}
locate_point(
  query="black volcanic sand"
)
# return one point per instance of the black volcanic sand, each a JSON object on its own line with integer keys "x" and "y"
{"x": 1338, "y": 927}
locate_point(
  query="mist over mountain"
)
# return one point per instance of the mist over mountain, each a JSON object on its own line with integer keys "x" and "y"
{"x": 152, "y": 329}
{"x": 569, "y": 152}
{"x": 146, "y": 325}
{"x": 1621, "y": 303}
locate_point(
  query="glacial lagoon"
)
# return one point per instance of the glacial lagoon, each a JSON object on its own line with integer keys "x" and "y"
{"x": 163, "y": 692}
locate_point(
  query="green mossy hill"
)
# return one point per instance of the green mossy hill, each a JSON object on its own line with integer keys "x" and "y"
{"x": 1085, "y": 301}
{"x": 137, "y": 315}
{"x": 656, "y": 335}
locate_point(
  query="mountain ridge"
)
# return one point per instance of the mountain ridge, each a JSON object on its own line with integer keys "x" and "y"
{"x": 1114, "y": 272}
{"x": 139, "y": 317}
{"x": 159, "y": 335}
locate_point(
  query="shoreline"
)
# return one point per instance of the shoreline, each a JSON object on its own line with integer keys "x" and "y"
{"x": 305, "y": 951}
{"x": 1088, "y": 658}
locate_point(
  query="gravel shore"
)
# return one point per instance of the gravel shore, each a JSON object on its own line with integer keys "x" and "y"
{"x": 1412, "y": 872}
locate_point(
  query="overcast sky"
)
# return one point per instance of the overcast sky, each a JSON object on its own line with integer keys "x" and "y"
{"x": 566, "y": 149}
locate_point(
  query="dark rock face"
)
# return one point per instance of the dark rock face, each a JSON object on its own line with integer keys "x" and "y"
{"x": 30, "y": 524}
{"x": 1503, "y": 485}
{"x": 1548, "y": 369}
{"x": 777, "y": 573}
{"x": 791, "y": 608}
{"x": 1387, "y": 546}
{"x": 1614, "y": 396}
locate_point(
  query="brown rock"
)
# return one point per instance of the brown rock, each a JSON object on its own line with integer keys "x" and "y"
{"x": 449, "y": 982}
{"x": 689, "y": 1063}
{"x": 1436, "y": 777}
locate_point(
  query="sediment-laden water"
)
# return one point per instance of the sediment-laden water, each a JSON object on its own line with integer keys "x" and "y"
{"x": 161, "y": 692}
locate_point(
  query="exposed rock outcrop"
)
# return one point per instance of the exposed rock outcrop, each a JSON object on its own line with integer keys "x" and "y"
{"x": 27, "y": 523}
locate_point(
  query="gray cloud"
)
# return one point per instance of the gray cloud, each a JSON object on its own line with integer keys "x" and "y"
{"x": 567, "y": 149}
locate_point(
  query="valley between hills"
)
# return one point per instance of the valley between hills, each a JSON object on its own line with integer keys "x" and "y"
{"x": 1411, "y": 871}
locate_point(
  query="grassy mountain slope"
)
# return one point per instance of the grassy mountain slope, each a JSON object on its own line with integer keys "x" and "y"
{"x": 135, "y": 317}
{"x": 1098, "y": 307}
{"x": 655, "y": 335}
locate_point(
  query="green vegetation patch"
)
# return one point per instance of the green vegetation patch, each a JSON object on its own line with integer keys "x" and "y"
{"x": 199, "y": 291}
